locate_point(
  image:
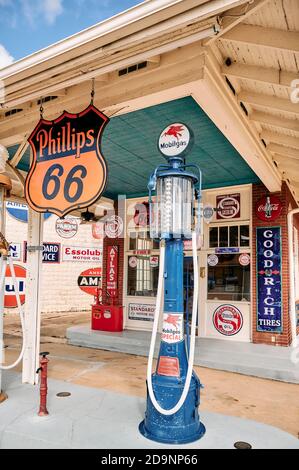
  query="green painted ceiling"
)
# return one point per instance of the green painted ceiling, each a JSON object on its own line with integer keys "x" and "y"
{"x": 129, "y": 145}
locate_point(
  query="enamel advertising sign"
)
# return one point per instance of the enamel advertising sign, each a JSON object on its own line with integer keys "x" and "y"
{"x": 10, "y": 300}
{"x": 89, "y": 280}
{"x": 269, "y": 304}
{"x": 68, "y": 170}
{"x": 268, "y": 208}
{"x": 228, "y": 206}
{"x": 112, "y": 270}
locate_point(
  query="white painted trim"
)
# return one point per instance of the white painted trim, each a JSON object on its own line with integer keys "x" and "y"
{"x": 32, "y": 304}
{"x": 292, "y": 308}
{"x": 2, "y": 229}
{"x": 115, "y": 23}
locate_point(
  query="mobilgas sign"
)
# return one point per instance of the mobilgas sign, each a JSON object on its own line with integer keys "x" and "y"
{"x": 269, "y": 305}
{"x": 176, "y": 139}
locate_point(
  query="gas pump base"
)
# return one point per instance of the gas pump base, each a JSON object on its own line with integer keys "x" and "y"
{"x": 182, "y": 427}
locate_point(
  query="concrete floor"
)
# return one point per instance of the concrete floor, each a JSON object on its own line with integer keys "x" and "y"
{"x": 101, "y": 419}
{"x": 258, "y": 360}
{"x": 266, "y": 401}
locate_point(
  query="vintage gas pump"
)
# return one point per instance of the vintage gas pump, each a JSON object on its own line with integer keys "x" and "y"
{"x": 174, "y": 388}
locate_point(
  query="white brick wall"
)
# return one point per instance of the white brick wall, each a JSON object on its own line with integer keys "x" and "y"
{"x": 60, "y": 291}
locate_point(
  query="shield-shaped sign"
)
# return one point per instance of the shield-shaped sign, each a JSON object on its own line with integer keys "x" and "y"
{"x": 68, "y": 170}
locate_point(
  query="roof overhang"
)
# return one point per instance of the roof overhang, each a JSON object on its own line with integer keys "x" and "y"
{"x": 170, "y": 36}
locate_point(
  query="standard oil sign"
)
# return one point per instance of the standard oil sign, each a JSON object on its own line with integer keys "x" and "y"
{"x": 68, "y": 170}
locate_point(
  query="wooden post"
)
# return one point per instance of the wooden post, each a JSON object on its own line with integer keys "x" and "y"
{"x": 33, "y": 295}
{"x": 2, "y": 229}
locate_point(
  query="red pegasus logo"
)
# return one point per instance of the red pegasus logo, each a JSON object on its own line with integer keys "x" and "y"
{"x": 173, "y": 320}
{"x": 174, "y": 131}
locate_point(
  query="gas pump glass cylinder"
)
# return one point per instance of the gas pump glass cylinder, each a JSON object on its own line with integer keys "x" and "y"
{"x": 171, "y": 213}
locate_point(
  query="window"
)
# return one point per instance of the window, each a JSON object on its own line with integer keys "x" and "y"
{"x": 142, "y": 277}
{"x": 229, "y": 280}
{"x": 141, "y": 241}
{"x": 229, "y": 236}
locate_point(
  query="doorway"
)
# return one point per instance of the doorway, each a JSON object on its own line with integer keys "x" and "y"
{"x": 188, "y": 290}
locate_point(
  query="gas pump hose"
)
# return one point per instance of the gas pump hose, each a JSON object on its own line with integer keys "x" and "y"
{"x": 5, "y": 252}
{"x": 182, "y": 399}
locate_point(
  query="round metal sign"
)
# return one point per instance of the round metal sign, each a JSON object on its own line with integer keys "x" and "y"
{"x": 227, "y": 320}
{"x": 133, "y": 261}
{"x": 67, "y": 227}
{"x": 244, "y": 259}
{"x": 208, "y": 212}
{"x": 268, "y": 208}
{"x": 175, "y": 140}
{"x": 213, "y": 260}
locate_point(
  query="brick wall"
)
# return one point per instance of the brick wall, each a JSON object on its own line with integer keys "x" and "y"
{"x": 60, "y": 291}
{"x": 284, "y": 338}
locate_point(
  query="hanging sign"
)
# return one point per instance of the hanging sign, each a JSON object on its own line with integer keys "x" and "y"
{"x": 51, "y": 253}
{"x": 81, "y": 253}
{"x": 10, "y": 300}
{"x": 111, "y": 271}
{"x": 176, "y": 139}
{"x": 268, "y": 208}
{"x": 66, "y": 227}
{"x": 20, "y": 211}
{"x": 228, "y": 320}
{"x": 269, "y": 298}
{"x": 228, "y": 206}
{"x": 68, "y": 170}
{"x": 89, "y": 280}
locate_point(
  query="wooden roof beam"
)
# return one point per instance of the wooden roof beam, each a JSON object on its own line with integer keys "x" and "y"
{"x": 260, "y": 74}
{"x": 268, "y": 101}
{"x": 285, "y": 151}
{"x": 275, "y": 121}
{"x": 277, "y": 39}
{"x": 281, "y": 139}
{"x": 231, "y": 18}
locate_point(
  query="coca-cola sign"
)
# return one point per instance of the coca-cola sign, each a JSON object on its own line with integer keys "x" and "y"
{"x": 268, "y": 208}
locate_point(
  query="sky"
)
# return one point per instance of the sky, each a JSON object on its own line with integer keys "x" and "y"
{"x": 27, "y": 26}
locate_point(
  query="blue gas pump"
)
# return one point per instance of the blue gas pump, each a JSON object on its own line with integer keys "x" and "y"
{"x": 173, "y": 390}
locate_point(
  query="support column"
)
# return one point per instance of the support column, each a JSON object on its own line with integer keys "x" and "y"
{"x": 33, "y": 295}
{"x": 2, "y": 229}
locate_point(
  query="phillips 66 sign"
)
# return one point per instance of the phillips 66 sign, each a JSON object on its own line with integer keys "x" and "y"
{"x": 68, "y": 170}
